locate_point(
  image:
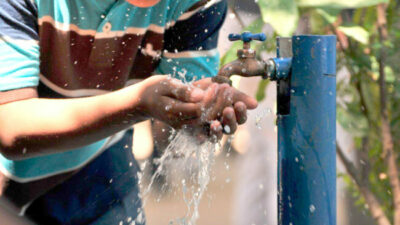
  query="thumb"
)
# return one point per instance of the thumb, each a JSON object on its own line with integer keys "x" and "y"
{"x": 184, "y": 92}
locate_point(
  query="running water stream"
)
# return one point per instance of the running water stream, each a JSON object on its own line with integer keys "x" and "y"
{"x": 184, "y": 152}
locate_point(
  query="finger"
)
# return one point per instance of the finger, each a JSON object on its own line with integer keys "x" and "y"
{"x": 240, "y": 112}
{"x": 229, "y": 120}
{"x": 209, "y": 101}
{"x": 180, "y": 111}
{"x": 216, "y": 130}
{"x": 250, "y": 102}
{"x": 224, "y": 98}
{"x": 203, "y": 83}
{"x": 176, "y": 89}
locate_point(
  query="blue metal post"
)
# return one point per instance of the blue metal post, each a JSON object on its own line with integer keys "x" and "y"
{"x": 307, "y": 132}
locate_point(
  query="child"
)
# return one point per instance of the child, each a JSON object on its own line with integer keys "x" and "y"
{"x": 76, "y": 75}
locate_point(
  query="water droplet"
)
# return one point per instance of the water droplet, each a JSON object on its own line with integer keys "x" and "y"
{"x": 312, "y": 208}
{"x": 226, "y": 165}
{"x": 227, "y": 129}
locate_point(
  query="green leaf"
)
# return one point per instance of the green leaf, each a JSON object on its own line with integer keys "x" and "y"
{"x": 390, "y": 77}
{"x": 370, "y": 93}
{"x": 356, "y": 32}
{"x": 282, "y": 15}
{"x": 339, "y": 4}
{"x": 352, "y": 120}
{"x": 329, "y": 14}
{"x": 260, "y": 95}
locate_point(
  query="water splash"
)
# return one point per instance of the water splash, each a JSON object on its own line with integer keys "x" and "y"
{"x": 259, "y": 117}
{"x": 183, "y": 151}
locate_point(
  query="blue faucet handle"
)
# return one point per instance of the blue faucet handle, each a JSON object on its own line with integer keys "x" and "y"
{"x": 247, "y": 37}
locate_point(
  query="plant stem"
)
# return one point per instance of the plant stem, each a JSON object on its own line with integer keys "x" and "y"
{"x": 373, "y": 204}
{"x": 387, "y": 139}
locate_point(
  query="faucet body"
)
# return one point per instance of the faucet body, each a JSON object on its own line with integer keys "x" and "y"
{"x": 247, "y": 64}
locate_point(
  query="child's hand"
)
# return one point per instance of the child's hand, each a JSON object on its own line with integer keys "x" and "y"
{"x": 204, "y": 104}
{"x": 171, "y": 101}
{"x": 223, "y": 107}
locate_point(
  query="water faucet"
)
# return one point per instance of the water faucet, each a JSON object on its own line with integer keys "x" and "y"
{"x": 247, "y": 64}
{"x": 305, "y": 72}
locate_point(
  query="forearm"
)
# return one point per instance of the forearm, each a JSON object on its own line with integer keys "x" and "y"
{"x": 37, "y": 126}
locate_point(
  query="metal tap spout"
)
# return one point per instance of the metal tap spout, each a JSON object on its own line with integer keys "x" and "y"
{"x": 247, "y": 65}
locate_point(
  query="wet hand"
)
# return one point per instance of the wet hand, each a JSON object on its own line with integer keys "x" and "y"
{"x": 223, "y": 106}
{"x": 171, "y": 101}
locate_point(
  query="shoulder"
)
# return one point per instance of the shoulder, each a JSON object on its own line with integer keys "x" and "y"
{"x": 18, "y": 19}
{"x": 12, "y": 6}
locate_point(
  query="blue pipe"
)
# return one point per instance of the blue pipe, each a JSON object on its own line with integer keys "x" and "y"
{"x": 307, "y": 134}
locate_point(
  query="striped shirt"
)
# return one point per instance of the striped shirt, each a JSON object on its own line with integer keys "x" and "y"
{"x": 76, "y": 48}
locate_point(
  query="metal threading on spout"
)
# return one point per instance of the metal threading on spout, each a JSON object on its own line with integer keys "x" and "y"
{"x": 247, "y": 65}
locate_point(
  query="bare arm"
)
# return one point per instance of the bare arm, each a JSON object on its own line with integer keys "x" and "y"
{"x": 36, "y": 126}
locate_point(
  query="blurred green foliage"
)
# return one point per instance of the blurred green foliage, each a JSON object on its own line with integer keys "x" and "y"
{"x": 358, "y": 102}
